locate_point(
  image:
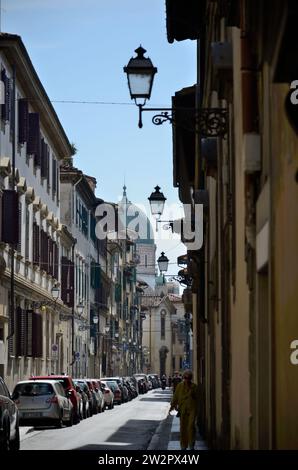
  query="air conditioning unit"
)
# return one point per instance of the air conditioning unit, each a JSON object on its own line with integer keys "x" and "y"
{"x": 222, "y": 55}
{"x": 251, "y": 153}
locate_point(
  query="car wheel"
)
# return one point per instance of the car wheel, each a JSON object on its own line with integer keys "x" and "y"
{"x": 4, "y": 443}
{"x": 70, "y": 422}
{"x": 110, "y": 406}
{"x": 60, "y": 420}
{"x": 15, "y": 444}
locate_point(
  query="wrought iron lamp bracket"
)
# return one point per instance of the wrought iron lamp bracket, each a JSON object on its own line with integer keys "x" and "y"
{"x": 208, "y": 122}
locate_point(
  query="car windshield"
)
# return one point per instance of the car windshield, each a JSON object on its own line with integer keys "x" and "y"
{"x": 112, "y": 385}
{"x": 33, "y": 389}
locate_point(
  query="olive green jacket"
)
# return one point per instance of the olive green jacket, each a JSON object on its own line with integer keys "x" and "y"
{"x": 186, "y": 398}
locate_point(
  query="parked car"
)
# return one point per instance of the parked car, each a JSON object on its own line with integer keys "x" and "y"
{"x": 84, "y": 386}
{"x": 124, "y": 392}
{"x": 81, "y": 389}
{"x": 43, "y": 402}
{"x": 108, "y": 394}
{"x": 9, "y": 420}
{"x": 100, "y": 396}
{"x": 145, "y": 379}
{"x": 113, "y": 385}
{"x": 68, "y": 385}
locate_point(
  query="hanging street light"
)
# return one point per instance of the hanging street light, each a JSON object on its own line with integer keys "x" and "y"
{"x": 212, "y": 122}
{"x": 163, "y": 262}
{"x": 55, "y": 292}
{"x": 140, "y": 75}
{"x": 95, "y": 319}
{"x": 157, "y": 202}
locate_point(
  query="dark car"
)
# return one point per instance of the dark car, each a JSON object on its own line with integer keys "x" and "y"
{"x": 9, "y": 420}
{"x": 68, "y": 385}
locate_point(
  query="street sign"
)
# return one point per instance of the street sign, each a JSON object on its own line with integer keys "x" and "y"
{"x": 54, "y": 350}
{"x": 77, "y": 356}
{"x": 185, "y": 365}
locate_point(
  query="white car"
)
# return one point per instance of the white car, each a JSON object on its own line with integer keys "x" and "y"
{"x": 42, "y": 402}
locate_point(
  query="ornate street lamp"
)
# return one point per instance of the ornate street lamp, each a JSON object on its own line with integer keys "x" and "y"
{"x": 212, "y": 122}
{"x": 55, "y": 292}
{"x": 95, "y": 319}
{"x": 163, "y": 262}
{"x": 140, "y": 75}
{"x": 157, "y": 202}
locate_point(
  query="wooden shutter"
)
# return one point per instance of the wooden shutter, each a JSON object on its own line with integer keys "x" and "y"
{"x": 37, "y": 335}
{"x": 10, "y": 217}
{"x": 44, "y": 249}
{"x": 5, "y": 108}
{"x": 56, "y": 260}
{"x": 54, "y": 176}
{"x": 19, "y": 246}
{"x": 34, "y": 141}
{"x": 23, "y": 120}
{"x": 58, "y": 182}
{"x": 48, "y": 165}
{"x": 11, "y": 331}
{"x": 70, "y": 302}
{"x": 36, "y": 244}
{"x": 64, "y": 277}
{"x": 249, "y": 101}
{"x": 21, "y": 331}
{"x": 43, "y": 150}
{"x": 29, "y": 335}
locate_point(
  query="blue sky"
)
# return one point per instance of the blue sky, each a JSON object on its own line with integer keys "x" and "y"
{"x": 78, "y": 49}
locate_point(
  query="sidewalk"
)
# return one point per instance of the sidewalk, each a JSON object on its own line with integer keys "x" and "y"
{"x": 174, "y": 437}
{"x": 167, "y": 436}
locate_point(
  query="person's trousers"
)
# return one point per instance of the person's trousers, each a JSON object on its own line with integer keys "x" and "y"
{"x": 187, "y": 429}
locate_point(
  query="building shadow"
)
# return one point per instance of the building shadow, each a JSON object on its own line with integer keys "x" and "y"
{"x": 135, "y": 434}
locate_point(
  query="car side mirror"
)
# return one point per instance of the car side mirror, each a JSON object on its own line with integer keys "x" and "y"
{"x": 68, "y": 393}
{"x": 15, "y": 395}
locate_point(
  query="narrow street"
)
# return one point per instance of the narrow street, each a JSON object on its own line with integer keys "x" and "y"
{"x": 129, "y": 426}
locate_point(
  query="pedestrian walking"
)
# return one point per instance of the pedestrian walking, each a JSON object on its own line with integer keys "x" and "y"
{"x": 176, "y": 380}
{"x": 186, "y": 398}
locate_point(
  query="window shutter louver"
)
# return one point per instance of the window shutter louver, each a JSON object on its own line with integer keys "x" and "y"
{"x": 34, "y": 141}
{"x": 11, "y": 331}
{"x": 58, "y": 182}
{"x": 23, "y": 120}
{"x": 48, "y": 165}
{"x": 36, "y": 244}
{"x": 29, "y": 339}
{"x": 36, "y": 335}
{"x": 71, "y": 284}
{"x": 19, "y": 246}
{"x": 21, "y": 336}
{"x": 10, "y": 218}
{"x": 5, "y": 108}
{"x": 64, "y": 275}
{"x": 43, "y": 146}
{"x": 54, "y": 176}
{"x": 56, "y": 260}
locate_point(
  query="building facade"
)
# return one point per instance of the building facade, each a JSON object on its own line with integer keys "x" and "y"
{"x": 33, "y": 141}
{"x": 244, "y": 172}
